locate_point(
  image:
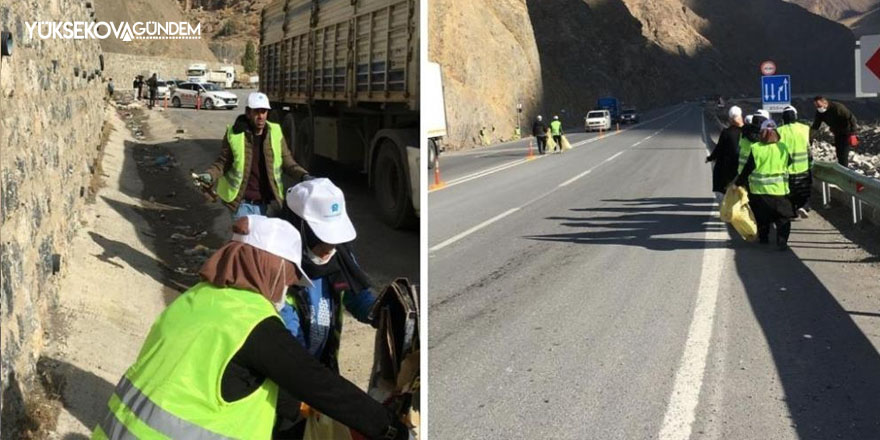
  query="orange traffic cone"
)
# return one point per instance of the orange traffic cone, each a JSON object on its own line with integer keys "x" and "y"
{"x": 438, "y": 183}
{"x": 601, "y": 133}
{"x": 165, "y": 103}
{"x": 530, "y": 154}
{"x": 199, "y": 102}
{"x": 618, "y": 127}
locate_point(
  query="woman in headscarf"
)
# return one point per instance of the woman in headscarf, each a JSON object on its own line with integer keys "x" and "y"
{"x": 766, "y": 173}
{"x": 215, "y": 359}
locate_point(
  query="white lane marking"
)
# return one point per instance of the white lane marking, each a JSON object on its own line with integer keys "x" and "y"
{"x": 681, "y": 412}
{"x": 514, "y": 163}
{"x": 474, "y": 229}
{"x": 573, "y": 179}
{"x": 511, "y": 211}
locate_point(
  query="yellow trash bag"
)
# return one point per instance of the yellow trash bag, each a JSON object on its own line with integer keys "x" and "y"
{"x": 551, "y": 144}
{"x": 566, "y": 145}
{"x": 740, "y": 214}
{"x": 321, "y": 427}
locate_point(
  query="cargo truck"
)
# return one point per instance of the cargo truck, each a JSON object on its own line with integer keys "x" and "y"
{"x": 343, "y": 80}
{"x": 612, "y": 105}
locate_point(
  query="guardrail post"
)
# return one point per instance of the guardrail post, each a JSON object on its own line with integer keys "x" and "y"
{"x": 855, "y": 215}
{"x": 825, "y": 191}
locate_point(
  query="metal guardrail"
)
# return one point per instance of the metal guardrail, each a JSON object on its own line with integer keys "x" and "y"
{"x": 861, "y": 189}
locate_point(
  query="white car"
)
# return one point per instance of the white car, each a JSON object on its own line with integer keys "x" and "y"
{"x": 212, "y": 96}
{"x": 597, "y": 120}
{"x": 162, "y": 87}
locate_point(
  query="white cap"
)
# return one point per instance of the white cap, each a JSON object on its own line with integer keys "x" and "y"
{"x": 258, "y": 100}
{"x": 749, "y": 119}
{"x": 276, "y": 237}
{"x": 321, "y": 204}
{"x": 734, "y": 112}
{"x": 768, "y": 125}
{"x": 540, "y": 117}
{"x": 790, "y": 108}
{"x": 764, "y": 113}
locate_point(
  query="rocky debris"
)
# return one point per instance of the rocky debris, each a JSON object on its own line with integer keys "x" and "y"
{"x": 864, "y": 159}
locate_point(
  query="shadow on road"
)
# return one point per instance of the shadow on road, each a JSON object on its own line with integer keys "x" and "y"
{"x": 651, "y": 223}
{"x": 829, "y": 370}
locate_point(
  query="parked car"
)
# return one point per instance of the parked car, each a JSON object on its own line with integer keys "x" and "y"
{"x": 629, "y": 116}
{"x": 597, "y": 120}
{"x": 186, "y": 94}
{"x": 163, "y": 89}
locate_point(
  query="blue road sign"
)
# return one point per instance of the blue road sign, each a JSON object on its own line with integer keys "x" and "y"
{"x": 776, "y": 89}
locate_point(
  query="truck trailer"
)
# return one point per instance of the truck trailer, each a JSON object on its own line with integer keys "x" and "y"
{"x": 342, "y": 77}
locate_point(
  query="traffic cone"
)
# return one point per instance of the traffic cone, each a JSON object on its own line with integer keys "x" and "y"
{"x": 530, "y": 154}
{"x": 438, "y": 183}
{"x": 165, "y": 103}
{"x": 618, "y": 127}
{"x": 198, "y": 102}
{"x": 601, "y": 132}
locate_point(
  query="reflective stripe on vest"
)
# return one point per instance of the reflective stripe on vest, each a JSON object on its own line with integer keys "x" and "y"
{"x": 796, "y": 137}
{"x": 231, "y": 182}
{"x": 770, "y": 176}
{"x": 173, "y": 390}
{"x": 155, "y": 417}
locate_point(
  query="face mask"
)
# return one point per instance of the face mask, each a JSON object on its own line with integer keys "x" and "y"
{"x": 318, "y": 260}
{"x": 821, "y": 109}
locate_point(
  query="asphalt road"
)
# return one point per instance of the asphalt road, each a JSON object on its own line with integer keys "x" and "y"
{"x": 594, "y": 295}
{"x": 384, "y": 253}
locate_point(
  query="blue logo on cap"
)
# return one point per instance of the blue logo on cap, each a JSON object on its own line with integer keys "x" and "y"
{"x": 334, "y": 209}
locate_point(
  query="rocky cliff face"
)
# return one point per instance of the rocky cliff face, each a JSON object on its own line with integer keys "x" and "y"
{"x": 51, "y": 114}
{"x": 837, "y": 10}
{"x": 645, "y": 52}
{"x": 490, "y": 63}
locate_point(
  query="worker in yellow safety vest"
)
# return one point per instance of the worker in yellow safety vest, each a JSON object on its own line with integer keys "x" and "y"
{"x": 214, "y": 361}
{"x": 252, "y": 159}
{"x": 766, "y": 172}
{"x": 796, "y": 137}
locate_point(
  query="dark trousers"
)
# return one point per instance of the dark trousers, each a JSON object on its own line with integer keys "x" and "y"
{"x": 152, "y": 98}
{"x": 542, "y": 143}
{"x": 772, "y": 211}
{"x": 841, "y": 144}
{"x": 800, "y": 186}
{"x": 558, "y": 139}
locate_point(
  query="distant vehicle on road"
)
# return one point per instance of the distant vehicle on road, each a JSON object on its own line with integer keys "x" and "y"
{"x": 597, "y": 120}
{"x": 223, "y": 76}
{"x": 162, "y": 87}
{"x": 197, "y": 73}
{"x": 433, "y": 110}
{"x": 212, "y": 96}
{"x": 611, "y": 104}
{"x": 629, "y": 116}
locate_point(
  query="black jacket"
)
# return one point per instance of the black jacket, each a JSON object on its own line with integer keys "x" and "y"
{"x": 726, "y": 158}
{"x": 539, "y": 129}
{"x": 839, "y": 119}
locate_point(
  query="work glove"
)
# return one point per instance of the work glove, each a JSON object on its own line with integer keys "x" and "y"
{"x": 205, "y": 177}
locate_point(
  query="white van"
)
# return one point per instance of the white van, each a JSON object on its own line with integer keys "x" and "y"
{"x": 597, "y": 120}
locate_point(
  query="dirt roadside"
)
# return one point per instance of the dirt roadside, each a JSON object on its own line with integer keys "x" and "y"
{"x": 146, "y": 234}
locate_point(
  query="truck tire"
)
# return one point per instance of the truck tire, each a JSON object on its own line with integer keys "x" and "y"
{"x": 304, "y": 147}
{"x": 432, "y": 153}
{"x": 390, "y": 185}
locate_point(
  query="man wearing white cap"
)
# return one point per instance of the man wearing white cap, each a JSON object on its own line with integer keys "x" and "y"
{"x": 317, "y": 209}
{"x": 726, "y": 152}
{"x": 766, "y": 172}
{"x": 215, "y": 360}
{"x": 796, "y": 138}
{"x": 252, "y": 158}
